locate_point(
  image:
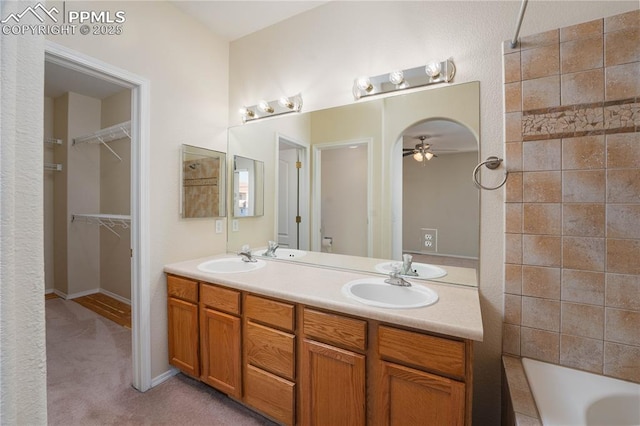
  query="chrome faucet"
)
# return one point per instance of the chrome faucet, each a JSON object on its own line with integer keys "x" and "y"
{"x": 406, "y": 266}
{"x": 396, "y": 279}
{"x": 271, "y": 250}
{"x": 245, "y": 254}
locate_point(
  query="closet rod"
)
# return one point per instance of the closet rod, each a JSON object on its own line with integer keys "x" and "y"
{"x": 109, "y": 221}
{"x": 53, "y": 141}
{"x": 53, "y": 167}
{"x": 523, "y": 7}
{"x": 108, "y": 134}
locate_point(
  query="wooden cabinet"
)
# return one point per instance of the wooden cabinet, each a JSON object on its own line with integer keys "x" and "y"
{"x": 220, "y": 339}
{"x": 182, "y": 312}
{"x": 332, "y": 376}
{"x": 269, "y": 353}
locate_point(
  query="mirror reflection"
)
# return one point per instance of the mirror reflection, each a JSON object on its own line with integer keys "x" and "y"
{"x": 248, "y": 187}
{"x": 203, "y": 182}
{"x": 429, "y": 208}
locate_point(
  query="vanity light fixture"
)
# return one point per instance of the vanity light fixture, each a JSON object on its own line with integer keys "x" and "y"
{"x": 432, "y": 73}
{"x": 264, "y": 109}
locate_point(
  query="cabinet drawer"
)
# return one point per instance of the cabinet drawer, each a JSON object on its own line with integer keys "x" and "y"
{"x": 335, "y": 329}
{"x": 432, "y": 353}
{"x": 270, "y": 312}
{"x": 182, "y": 288}
{"x": 220, "y": 298}
{"x": 270, "y": 394}
{"x": 270, "y": 349}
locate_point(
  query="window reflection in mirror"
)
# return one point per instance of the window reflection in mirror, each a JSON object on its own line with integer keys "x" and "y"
{"x": 248, "y": 187}
{"x": 203, "y": 183}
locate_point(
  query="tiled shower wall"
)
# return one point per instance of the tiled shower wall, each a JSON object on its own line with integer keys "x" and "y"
{"x": 572, "y": 262}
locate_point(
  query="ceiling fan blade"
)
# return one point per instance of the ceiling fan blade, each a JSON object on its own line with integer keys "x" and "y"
{"x": 404, "y": 154}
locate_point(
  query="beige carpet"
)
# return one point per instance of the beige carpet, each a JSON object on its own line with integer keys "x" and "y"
{"x": 89, "y": 379}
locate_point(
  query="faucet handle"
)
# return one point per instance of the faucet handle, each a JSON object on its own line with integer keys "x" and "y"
{"x": 245, "y": 249}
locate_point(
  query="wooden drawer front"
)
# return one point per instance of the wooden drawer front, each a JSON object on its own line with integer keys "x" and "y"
{"x": 421, "y": 350}
{"x": 220, "y": 298}
{"x": 277, "y": 314}
{"x": 182, "y": 288}
{"x": 270, "y": 394}
{"x": 338, "y": 330}
{"x": 270, "y": 349}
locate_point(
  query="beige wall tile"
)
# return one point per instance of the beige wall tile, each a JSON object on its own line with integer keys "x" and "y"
{"x": 540, "y": 39}
{"x": 541, "y": 155}
{"x": 513, "y": 190}
{"x": 621, "y": 326}
{"x": 623, "y": 186}
{"x": 542, "y": 187}
{"x": 622, "y": 256}
{"x": 585, "y": 152}
{"x": 540, "y": 344}
{"x": 513, "y": 127}
{"x": 582, "y": 353}
{"x": 622, "y": 82}
{"x": 623, "y": 150}
{"x": 623, "y": 291}
{"x": 513, "y": 217}
{"x": 586, "y": 186}
{"x": 584, "y": 30}
{"x": 583, "y": 253}
{"x": 542, "y": 218}
{"x": 581, "y": 55}
{"x": 513, "y": 156}
{"x": 621, "y": 116}
{"x": 541, "y": 250}
{"x": 512, "y": 309}
{"x": 583, "y": 320}
{"x": 540, "y": 62}
{"x": 543, "y": 314}
{"x": 622, "y": 47}
{"x": 541, "y": 93}
{"x": 583, "y": 286}
{"x": 583, "y": 87}
{"x": 622, "y": 361}
{"x": 511, "y": 339}
{"x": 623, "y": 221}
{"x": 512, "y": 68}
{"x": 513, "y": 97}
{"x": 513, "y": 248}
{"x": 583, "y": 220}
{"x": 541, "y": 282}
{"x": 622, "y": 21}
{"x": 513, "y": 279}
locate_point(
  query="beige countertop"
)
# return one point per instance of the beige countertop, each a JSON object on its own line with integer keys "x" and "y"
{"x": 456, "y": 313}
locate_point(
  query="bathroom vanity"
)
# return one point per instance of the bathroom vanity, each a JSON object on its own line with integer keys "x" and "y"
{"x": 285, "y": 341}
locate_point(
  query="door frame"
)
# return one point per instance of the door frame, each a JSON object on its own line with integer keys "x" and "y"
{"x": 140, "y": 205}
{"x": 317, "y": 189}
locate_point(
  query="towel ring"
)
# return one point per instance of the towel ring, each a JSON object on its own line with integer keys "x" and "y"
{"x": 492, "y": 163}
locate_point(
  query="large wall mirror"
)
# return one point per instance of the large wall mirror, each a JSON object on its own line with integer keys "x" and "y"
{"x": 396, "y": 169}
{"x": 203, "y": 183}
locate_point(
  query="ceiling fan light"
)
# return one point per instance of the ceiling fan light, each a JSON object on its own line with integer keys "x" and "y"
{"x": 418, "y": 156}
{"x": 428, "y": 155}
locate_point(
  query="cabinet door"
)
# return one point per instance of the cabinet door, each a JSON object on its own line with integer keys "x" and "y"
{"x": 332, "y": 386}
{"x": 220, "y": 349}
{"x": 183, "y": 336}
{"x": 412, "y": 397}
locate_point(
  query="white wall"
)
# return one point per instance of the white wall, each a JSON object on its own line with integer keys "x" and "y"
{"x": 320, "y": 52}
{"x": 187, "y": 68}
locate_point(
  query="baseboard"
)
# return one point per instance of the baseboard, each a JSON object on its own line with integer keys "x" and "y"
{"x": 81, "y": 294}
{"x": 164, "y": 377}
{"x": 115, "y": 296}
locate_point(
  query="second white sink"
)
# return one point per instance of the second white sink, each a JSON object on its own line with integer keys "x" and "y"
{"x": 285, "y": 253}
{"x": 375, "y": 292}
{"x": 425, "y": 271}
{"x": 229, "y": 265}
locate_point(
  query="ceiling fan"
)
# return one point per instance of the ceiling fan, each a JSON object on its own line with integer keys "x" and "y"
{"x": 422, "y": 150}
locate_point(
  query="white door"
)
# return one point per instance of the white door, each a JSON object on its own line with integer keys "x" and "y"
{"x": 288, "y": 200}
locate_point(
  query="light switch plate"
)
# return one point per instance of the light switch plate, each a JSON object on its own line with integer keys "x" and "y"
{"x": 234, "y": 225}
{"x": 219, "y": 226}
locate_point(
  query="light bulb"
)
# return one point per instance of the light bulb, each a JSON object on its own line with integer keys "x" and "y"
{"x": 396, "y": 77}
{"x": 285, "y": 102}
{"x": 364, "y": 83}
{"x": 418, "y": 156}
{"x": 429, "y": 155}
{"x": 265, "y": 107}
{"x": 433, "y": 69}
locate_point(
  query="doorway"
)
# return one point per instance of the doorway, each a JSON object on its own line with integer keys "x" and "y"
{"x": 292, "y": 218}
{"x": 342, "y": 201}
{"x": 90, "y": 68}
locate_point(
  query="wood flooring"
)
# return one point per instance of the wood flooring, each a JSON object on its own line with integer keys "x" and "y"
{"x": 108, "y": 307}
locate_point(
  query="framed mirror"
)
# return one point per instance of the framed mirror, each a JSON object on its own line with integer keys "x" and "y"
{"x": 248, "y": 187}
{"x": 203, "y": 188}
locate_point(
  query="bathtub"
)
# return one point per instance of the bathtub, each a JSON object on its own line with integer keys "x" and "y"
{"x": 565, "y": 396}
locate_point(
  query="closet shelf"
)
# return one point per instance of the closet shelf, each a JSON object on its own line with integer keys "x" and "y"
{"x": 53, "y": 141}
{"x": 53, "y": 167}
{"x": 109, "y": 134}
{"x": 109, "y": 221}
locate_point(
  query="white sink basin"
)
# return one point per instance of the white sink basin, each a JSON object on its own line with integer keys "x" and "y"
{"x": 375, "y": 292}
{"x": 424, "y": 270}
{"x": 285, "y": 253}
{"x": 229, "y": 265}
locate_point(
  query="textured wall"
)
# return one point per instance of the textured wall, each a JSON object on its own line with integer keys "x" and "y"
{"x": 572, "y": 277}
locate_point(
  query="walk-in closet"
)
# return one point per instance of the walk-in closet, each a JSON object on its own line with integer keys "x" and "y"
{"x": 87, "y": 186}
